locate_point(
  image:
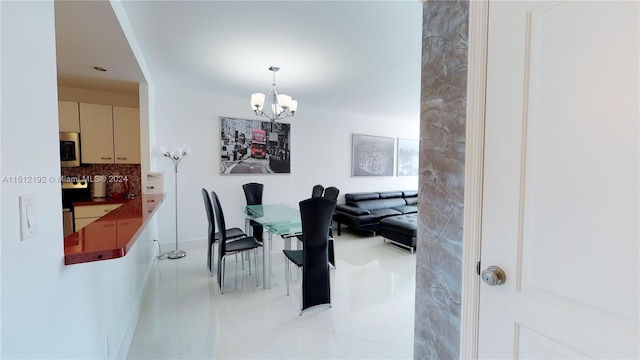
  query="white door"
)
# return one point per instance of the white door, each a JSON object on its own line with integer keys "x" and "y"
{"x": 560, "y": 197}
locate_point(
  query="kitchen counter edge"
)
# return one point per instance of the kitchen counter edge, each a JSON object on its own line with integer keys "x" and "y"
{"x": 138, "y": 208}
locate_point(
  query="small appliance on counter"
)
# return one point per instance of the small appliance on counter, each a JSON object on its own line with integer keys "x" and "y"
{"x": 120, "y": 190}
{"x": 100, "y": 187}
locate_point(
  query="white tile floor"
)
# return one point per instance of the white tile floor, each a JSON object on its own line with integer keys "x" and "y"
{"x": 372, "y": 314}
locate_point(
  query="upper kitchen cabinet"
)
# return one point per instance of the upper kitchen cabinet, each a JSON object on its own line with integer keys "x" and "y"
{"x": 109, "y": 134}
{"x": 96, "y": 134}
{"x": 126, "y": 135}
{"x": 68, "y": 116}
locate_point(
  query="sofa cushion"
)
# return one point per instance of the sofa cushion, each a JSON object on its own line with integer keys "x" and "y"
{"x": 379, "y": 203}
{"x": 411, "y": 200}
{"x": 390, "y": 194}
{"x": 403, "y": 224}
{"x": 382, "y": 213}
{"x": 361, "y": 196}
{"x": 410, "y": 194}
{"x": 351, "y": 210}
{"x": 406, "y": 209}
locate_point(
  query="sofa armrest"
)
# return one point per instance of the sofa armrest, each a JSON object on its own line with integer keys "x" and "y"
{"x": 351, "y": 210}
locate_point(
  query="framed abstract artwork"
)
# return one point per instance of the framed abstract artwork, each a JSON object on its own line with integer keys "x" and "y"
{"x": 408, "y": 156}
{"x": 372, "y": 155}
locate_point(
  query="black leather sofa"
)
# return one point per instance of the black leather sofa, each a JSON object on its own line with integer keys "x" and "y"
{"x": 363, "y": 211}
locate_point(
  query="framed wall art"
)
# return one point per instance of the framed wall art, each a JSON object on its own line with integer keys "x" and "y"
{"x": 372, "y": 155}
{"x": 254, "y": 147}
{"x": 408, "y": 156}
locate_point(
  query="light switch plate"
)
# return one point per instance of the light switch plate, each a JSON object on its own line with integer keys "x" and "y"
{"x": 28, "y": 224}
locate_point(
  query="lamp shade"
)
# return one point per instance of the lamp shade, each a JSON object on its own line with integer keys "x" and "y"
{"x": 284, "y": 101}
{"x": 293, "y": 107}
{"x": 257, "y": 100}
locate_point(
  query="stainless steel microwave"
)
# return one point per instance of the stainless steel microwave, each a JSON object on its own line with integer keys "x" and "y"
{"x": 69, "y": 149}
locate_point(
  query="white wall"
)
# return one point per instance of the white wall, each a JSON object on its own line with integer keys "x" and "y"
{"x": 320, "y": 154}
{"x": 69, "y": 93}
{"x": 50, "y": 310}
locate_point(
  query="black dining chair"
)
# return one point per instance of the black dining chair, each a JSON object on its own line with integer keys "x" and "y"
{"x": 233, "y": 247}
{"x": 253, "y": 196}
{"x": 317, "y": 191}
{"x": 315, "y": 214}
{"x": 214, "y": 237}
{"x": 331, "y": 193}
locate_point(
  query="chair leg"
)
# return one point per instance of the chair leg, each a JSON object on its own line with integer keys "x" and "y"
{"x": 222, "y": 274}
{"x": 288, "y": 272}
{"x": 255, "y": 258}
{"x": 248, "y": 260}
{"x": 212, "y": 257}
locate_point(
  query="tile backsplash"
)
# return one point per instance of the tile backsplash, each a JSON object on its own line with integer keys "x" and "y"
{"x": 118, "y": 176}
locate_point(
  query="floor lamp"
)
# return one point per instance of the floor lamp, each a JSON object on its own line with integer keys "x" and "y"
{"x": 176, "y": 156}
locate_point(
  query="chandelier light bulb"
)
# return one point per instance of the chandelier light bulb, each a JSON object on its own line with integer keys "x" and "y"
{"x": 257, "y": 101}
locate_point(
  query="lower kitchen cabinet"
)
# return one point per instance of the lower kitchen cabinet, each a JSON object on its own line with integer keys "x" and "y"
{"x": 86, "y": 214}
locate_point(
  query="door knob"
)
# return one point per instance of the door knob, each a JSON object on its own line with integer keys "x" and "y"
{"x": 493, "y": 276}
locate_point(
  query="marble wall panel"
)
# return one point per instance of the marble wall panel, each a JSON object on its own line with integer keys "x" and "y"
{"x": 442, "y": 146}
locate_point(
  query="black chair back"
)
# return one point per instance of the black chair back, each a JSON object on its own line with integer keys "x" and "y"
{"x": 316, "y": 214}
{"x": 253, "y": 193}
{"x": 331, "y": 193}
{"x": 209, "y": 210}
{"x": 211, "y": 234}
{"x": 317, "y": 191}
{"x": 219, "y": 216}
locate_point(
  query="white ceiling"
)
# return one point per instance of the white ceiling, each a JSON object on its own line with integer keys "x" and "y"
{"x": 354, "y": 56}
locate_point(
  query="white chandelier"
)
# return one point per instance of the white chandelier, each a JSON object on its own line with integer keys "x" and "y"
{"x": 282, "y": 105}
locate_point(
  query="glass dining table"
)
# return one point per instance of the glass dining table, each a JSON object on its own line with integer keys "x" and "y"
{"x": 277, "y": 219}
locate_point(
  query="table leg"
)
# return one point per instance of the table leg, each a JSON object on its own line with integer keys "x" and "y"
{"x": 266, "y": 262}
{"x": 247, "y": 228}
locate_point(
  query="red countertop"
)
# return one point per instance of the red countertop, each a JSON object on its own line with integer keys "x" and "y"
{"x": 112, "y": 235}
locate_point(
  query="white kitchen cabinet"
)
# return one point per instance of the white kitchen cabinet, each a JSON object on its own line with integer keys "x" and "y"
{"x": 126, "y": 135}
{"x": 109, "y": 134}
{"x": 86, "y": 214}
{"x": 96, "y": 134}
{"x": 68, "y": 116}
